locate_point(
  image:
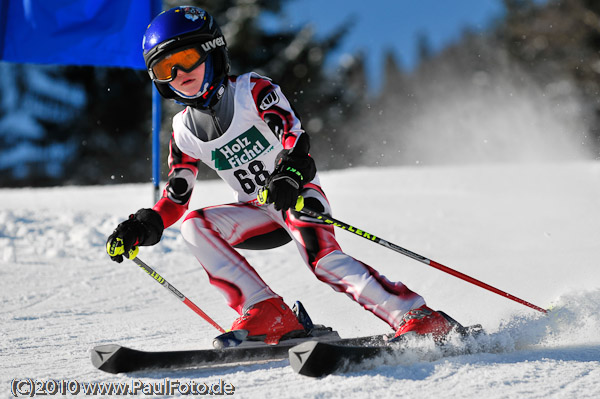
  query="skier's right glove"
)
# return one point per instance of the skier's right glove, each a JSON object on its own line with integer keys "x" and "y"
{"x": 145, "y": 228}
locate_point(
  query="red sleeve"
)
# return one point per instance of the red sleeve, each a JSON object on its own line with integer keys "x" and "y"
{"x": 178, "y": 189}
{"x": 169, "y": 211}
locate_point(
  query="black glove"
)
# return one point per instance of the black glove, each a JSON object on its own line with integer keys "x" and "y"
{"x": 284, "y": 188}
{"x": 291, "y": 173}
{"x": 145, "y": 227}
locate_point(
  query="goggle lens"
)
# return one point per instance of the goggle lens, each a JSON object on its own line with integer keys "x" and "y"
{"x": 186, "y": 60}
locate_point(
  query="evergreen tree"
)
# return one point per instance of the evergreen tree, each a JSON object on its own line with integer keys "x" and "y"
{"x": 37, "y": 99}
{"x": 114, "y": 136}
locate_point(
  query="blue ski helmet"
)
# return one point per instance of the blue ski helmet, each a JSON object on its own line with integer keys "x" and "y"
{"x": 187, "y": 27}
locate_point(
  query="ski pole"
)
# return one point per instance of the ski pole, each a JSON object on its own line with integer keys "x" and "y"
{"x": 161, "y": 280}
{"x": 262, "y": 198}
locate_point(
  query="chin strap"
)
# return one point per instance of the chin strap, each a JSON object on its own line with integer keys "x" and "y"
{"x": 219, "y": 91}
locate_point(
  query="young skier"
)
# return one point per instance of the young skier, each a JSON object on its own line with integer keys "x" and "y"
{"x": 245, "y": 129}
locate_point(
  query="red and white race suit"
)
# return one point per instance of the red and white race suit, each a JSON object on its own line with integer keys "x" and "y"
{"x": 244, "y": 156}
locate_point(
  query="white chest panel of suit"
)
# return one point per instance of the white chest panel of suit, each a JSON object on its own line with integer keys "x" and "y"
{"x": 244, "y": 156}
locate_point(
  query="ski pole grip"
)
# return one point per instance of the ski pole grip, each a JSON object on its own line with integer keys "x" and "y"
{"x": 133, "y": 253}
{"x": 299, "y": 204}
{"x": 263, "y": 196}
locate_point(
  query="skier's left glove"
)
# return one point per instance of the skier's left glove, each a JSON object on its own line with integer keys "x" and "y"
{"x": 145, "y": 228}
{"x": 288, "y": 179}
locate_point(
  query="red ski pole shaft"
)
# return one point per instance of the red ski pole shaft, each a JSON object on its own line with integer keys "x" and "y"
{"x": 344, "y": 226}
{"x": 162, "y": 281}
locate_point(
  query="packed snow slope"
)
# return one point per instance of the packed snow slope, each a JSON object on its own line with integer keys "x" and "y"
{"x": 529, "y": 229}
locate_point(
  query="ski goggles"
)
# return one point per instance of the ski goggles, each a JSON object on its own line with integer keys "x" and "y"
{"x": 165, "y": 69}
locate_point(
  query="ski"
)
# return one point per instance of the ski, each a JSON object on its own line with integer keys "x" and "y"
{"x": 318, "y": 359}
{"x": 115, "y": 359}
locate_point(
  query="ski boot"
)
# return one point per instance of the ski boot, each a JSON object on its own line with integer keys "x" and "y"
{"x": 424, "y": 321}
{"x": 269, "y": 321}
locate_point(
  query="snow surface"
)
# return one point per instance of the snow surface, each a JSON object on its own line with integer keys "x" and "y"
{"x": 529, "y": 229}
